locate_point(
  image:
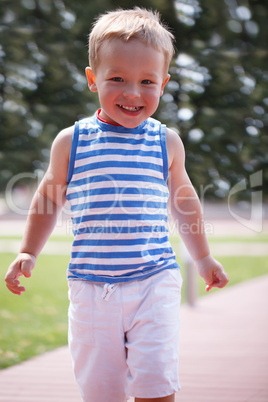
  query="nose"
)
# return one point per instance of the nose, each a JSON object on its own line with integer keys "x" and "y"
{"x": 131, "y": 90}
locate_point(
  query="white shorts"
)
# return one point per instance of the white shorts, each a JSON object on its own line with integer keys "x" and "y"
{"x": 124, "y": 338}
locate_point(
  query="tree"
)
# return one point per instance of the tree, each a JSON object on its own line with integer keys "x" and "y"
{"x": 43, "y": 86}
{"x": 217, "y": 98}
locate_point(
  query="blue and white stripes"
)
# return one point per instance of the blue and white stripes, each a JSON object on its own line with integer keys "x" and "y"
{"x": 118, "y": 194}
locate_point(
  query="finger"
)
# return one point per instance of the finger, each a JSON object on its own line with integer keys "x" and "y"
{"x": 219, "y": 283}
{"x": 13, "y": 286}
{"x": 216, "y": 283}
{"x": 17, "y": 292}
{"x": 208, "y": 287}
{"x": 26, "y": 268}
{"x": 221, "y": 280}
{"x": 10, "y": 282}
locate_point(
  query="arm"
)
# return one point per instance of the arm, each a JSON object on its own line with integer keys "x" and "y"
{"x": 186, "y": 210}
{"x": 45, "y": 207}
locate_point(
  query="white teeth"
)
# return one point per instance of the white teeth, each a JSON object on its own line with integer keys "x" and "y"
{"x": 131, "y": 109}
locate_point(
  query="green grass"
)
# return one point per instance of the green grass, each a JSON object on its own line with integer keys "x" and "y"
{"x": 259, "y": 238}
{"x": 36, "y": 321}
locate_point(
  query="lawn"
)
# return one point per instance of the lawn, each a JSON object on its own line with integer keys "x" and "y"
{"x": 36, "y": 321}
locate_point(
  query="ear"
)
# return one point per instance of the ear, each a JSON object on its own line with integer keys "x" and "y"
{"x": 164, "y": 84}
{"x": 91, "y": 79}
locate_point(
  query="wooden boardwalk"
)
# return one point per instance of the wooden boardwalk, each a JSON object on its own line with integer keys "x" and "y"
{"x": 224, "y": 354}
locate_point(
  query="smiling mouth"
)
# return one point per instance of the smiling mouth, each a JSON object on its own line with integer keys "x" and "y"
{"x": 130, "y": 108}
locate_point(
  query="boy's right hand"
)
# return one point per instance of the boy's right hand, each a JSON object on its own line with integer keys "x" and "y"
{"x": 22, "y": 265}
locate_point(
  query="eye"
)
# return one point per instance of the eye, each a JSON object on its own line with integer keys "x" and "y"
{"x": 117, "y": 79}
{"x": 146, "y": 82}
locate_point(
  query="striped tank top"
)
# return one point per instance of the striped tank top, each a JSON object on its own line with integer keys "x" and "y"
{"x": 117, "y": 189}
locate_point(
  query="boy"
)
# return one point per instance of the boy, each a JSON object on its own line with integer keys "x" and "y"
{"x": 115, "y": 168}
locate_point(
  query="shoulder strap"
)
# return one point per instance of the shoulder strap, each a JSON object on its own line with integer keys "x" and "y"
{"x": 164, "y": 150}
{"x": 73, "y": 151}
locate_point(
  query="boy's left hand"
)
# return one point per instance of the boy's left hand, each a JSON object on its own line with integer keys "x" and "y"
{"x": 212, "y": 272}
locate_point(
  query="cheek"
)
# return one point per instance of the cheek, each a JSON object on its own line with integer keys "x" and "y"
{"x": 108, "y": 93}
{"x": 155, "y": 92}
{"x": 153, "y": 97}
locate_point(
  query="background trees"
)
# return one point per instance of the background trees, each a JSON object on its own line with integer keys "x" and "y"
{"x": 217, "y": 99}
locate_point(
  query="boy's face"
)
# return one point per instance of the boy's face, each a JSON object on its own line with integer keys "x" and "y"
{"x": 130, "y": 78}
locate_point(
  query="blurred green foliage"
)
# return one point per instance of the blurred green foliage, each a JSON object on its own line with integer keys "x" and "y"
{"x": 217, "y": 98}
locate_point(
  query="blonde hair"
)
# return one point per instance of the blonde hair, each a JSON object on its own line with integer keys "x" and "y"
{"x": 137, "y": 23}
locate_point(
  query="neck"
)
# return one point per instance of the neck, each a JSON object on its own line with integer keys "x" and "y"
{"x": 105, "y": 121}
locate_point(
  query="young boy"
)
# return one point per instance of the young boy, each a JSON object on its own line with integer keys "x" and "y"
{"x": 117, "y": 170}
